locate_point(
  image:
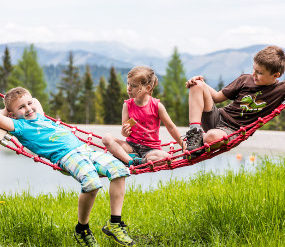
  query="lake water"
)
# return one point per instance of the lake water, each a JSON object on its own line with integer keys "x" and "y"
{"x": 19, "y": 174}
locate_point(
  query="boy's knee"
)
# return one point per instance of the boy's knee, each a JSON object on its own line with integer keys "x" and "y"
{"x": 198, "y": 87}
{"x": 90, "y": 183}
{"x": 214, "y": 135}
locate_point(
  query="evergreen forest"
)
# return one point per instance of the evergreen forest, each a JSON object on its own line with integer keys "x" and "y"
{"x": 94, "y": 95}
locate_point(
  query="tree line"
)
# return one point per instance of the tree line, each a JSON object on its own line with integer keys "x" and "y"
{"x": 76, "y": 99}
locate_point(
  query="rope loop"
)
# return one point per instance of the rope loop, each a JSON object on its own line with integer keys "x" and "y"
{"x": 243, "y": 130}
{"x": 207, "y": 148}
{"x": 260, "y": 121}
{"x": 277, "y": 112}
{"x": 226, "y": 140}
{"x": 151, "y": 165}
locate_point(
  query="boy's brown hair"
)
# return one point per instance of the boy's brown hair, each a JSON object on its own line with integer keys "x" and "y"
{"x": 14, "y": 94}
{"x": 143, "y": 75}
{"x": 272, "y": 58}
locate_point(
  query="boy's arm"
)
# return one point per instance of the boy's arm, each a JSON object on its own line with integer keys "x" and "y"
{"x": 217, "y": 97}
{"x": 6, "y": 123}
{"x": 170, "y": 126}
{"x": 39, "y": 108}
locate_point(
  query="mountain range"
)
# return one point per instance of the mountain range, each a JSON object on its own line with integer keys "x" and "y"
{"x": 223, "y": 64}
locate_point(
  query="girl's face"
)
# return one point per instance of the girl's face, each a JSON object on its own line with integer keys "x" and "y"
{"x": 135, "y": 89}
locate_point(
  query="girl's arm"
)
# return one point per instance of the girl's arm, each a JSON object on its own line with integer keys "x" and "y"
{"x": 6, "y": 123}
{"x": 126, "y": 128}
{"x": 170, "y": 126}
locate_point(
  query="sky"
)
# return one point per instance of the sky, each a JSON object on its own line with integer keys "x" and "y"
{"x": 193, "y": 26}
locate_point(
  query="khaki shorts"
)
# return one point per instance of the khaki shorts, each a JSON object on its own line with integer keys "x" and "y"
{"x": 214, "y": 120}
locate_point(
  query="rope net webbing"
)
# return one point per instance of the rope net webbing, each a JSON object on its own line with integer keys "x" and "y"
{"x": 174, "y": 161}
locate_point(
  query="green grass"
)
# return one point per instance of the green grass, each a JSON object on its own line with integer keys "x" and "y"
{"x": 244, "y": 209}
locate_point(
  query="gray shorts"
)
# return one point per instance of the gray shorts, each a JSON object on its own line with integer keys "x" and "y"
{"x": 214, "y": 120}
{"x": 141, "y": 150}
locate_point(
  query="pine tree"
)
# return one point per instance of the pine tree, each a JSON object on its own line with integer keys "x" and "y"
{"x": 29, "y": 74}
{"x": 71, "y": 86}
{"x": 57, "y": 103}
{"x": 112, "y": 101}
{"x": 123, "y": 85}
{"x": 5, "y": 70}
{"x": 86, "y": 102}
{"x": 174, "y": 91}
{"x": 100, "y": 95}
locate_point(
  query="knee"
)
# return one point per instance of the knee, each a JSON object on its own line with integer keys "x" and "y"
{"x": 212, "y": 136}
{"x": 200, "y": 86}
{"x": 107, "y": 139}
{"x": 92, "y": 193}
{"x": 90, "y": 184}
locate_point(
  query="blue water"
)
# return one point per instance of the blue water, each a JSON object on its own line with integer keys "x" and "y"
{"x": 19, "y": 174}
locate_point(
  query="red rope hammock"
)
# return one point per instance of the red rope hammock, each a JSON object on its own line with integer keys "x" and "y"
{"x": 172, "y": 162}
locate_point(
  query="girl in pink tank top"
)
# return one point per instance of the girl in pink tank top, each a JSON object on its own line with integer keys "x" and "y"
{"x": 141, "y": 118}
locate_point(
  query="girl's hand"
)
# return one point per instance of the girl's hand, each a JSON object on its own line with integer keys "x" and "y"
{"x": 193, "y": 81}
{"x": 126, "y": 130}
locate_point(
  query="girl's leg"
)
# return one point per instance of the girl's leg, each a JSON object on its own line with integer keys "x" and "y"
{"x": 117, "y": 147}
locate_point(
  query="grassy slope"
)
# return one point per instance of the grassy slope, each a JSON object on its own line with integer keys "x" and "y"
{"x": 245, "y": 209}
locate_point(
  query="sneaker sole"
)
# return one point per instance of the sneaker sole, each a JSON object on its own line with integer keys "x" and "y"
{"x": 109, "y": 234}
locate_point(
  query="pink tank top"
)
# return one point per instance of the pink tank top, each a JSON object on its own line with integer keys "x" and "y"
{"x": 146, "y": 131}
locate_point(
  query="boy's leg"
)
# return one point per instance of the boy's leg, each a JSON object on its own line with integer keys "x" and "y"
{"x": 79, "y": 165}
{"x": 116, "y": 171}
{"x": 85, "y": 204}
{"x": 200, "y": 100}
{"x": 156, "y": 154}
{"x": 115, "y": 227}
{"x": 118, "y": 148}
{"x": 83, "y": 234}
{"x": 117, "y": 193}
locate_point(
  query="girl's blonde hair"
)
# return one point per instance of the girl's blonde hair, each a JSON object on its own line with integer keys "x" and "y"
{"x": 14, "y": 94}
{"x": 143, "y": 75}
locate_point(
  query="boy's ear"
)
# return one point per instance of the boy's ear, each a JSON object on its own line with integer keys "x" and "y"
{"x": 11, "y": 115}
{"x": 277, "y": 75}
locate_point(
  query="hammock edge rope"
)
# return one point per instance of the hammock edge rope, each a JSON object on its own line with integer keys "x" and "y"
{"x": 169, "y": 163}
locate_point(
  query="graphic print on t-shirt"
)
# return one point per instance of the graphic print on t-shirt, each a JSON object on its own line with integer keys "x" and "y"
{"x": 250, "y": 104}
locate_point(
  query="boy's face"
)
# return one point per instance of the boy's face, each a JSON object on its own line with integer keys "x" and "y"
{"x": 23, "y": 107}
{"x": 262, "y": 76}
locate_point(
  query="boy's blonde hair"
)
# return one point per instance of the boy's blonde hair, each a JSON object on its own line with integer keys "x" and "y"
{"x": 272, "y": 58}
{"x": 14, "y": 94}
{"x": 143, "y": 75}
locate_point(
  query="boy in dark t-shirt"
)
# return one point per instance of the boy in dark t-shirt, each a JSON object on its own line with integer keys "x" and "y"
{"x": 254, "y": 95}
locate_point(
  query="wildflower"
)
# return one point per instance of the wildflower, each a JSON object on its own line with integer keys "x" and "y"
{"x": 252, "y": 158}
{"x": 2, "y": 202}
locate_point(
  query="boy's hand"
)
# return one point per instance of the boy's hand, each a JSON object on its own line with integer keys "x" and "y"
{"x": 126, "y": 130}
{"x": 193, "y": 81}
